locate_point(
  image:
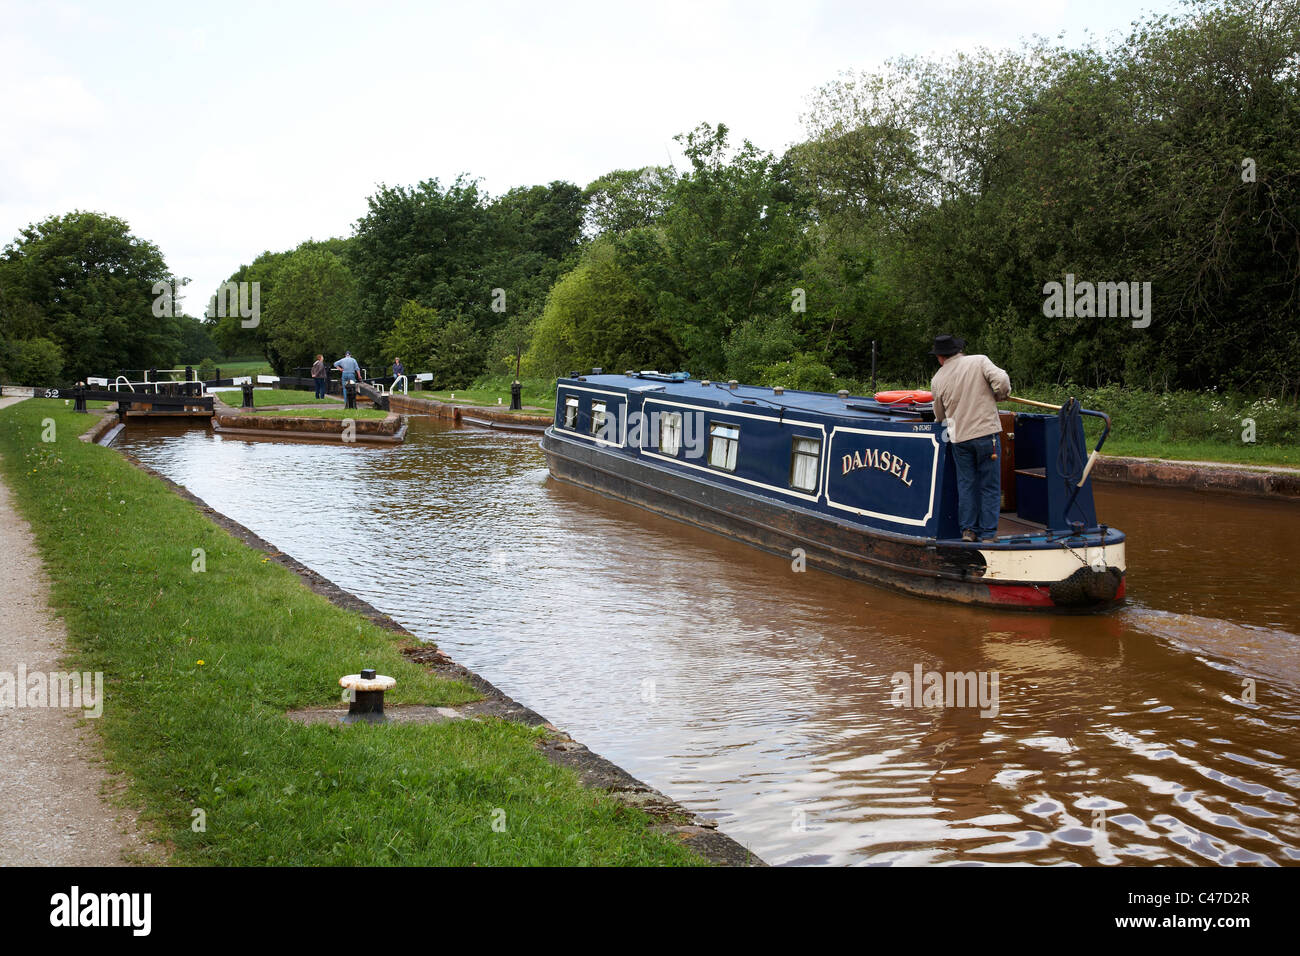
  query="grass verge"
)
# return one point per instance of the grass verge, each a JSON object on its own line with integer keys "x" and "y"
{"x": 201, "y": 665}
{"x": 274, "y": 396}
{"x": 487, "y": 391}
{"x": 321, "y": 413}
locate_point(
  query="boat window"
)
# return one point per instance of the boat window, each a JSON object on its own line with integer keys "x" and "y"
{"x": 724, "y": 440}
{"x": 597, "y": 417}
{"x": 670, "y": 433}
{"x": 805, "y": 454}
{"x": 571, "y": 411}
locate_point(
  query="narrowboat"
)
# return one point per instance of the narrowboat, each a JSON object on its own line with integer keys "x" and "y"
{"x": 865, "y": 487}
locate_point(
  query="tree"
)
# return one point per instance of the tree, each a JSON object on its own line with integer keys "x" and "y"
{"x": 626, "y": 199}
{"x": 600, "y": 313}
{"x": 425, "y": 244}
{"x": 83, "y": 282}
{"x": 734, "y": 241}
{"x": 414, "y": 337}
{"x": 308, "y": 311}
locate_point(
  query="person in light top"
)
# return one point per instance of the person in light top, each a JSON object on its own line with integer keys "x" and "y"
{"x": 349, "y": 367}
{"x": 967, "y": 389}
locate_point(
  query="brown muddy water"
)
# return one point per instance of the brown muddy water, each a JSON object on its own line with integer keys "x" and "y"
{"x": 762, "y": 698}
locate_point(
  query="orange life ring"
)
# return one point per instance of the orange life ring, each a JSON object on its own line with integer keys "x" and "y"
{"x": 912, "y": 396}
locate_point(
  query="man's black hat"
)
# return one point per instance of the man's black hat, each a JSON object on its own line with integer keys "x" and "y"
{"x": 946, "y": 345}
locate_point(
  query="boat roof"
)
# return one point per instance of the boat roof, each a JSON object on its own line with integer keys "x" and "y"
{"x": 681, "y": 385}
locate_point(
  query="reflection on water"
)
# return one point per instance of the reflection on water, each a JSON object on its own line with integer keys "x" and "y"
{"x": 762, "y": 698}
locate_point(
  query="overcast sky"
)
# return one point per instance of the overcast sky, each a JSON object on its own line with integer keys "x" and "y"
{"x": 219, "y": 131}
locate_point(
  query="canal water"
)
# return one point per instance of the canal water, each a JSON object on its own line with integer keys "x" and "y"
{"x": 766, "y": 699}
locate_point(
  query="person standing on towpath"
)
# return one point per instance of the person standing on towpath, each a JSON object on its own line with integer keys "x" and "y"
{"x": 318, "y": 373}
{"x": 349, "y": 367}
{"x": 967, "y": 389}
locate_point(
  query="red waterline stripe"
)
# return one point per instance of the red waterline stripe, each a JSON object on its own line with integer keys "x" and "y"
{"x": 1021, "y": 594}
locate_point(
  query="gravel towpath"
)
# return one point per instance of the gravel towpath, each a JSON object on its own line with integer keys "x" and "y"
{"x": 54, "y": 808}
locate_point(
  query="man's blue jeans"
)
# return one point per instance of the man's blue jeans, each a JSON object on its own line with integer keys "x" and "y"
{"x": 979, "y": 484}
{"x": 320, "y": 387}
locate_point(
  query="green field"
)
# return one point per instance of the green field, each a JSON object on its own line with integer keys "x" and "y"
{"x": 236, "y": 369}
{"x": 201, "y": 664}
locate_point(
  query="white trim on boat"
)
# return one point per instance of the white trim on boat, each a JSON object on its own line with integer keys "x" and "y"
{"x": 793, "y": 493}
{"x": 1050, "y": 563}
{"x": 592, "y": 438}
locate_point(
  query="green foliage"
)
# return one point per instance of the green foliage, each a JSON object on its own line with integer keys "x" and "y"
{"x": 626, "y": 199}
{"x": 34, "y": 362}
{"x": 801, "y": 371}
{"x": 449, "y": 348}
{"x": 413, "y": 337}
{"x": 85, "y": 283}
{"x": 981, "y": 177}
{"x": 308, "y": 320}
{"x": 733, "y": 241}
{"x": 931, "y": 195}
{"x": 309, "y": 309}
{"x": 457, "y": 354}
{"x": 600, "y": 314}
{"x": 757, "y": 344}
{"x": 207, "y": 370}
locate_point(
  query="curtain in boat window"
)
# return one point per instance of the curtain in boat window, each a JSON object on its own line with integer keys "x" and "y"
{"x": 670, "y": 433}
{"x": 571, "y": 412}
{"x": 597, "y": 417}
{"x": 804, "y": 457}
{"x": 724, "y": 440}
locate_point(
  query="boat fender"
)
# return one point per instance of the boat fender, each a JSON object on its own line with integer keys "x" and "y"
{"x": 909, "y": 396}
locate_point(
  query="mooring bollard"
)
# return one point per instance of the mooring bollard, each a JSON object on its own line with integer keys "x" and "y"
{"x": 248, "y": 395}
{"x": 367, "y": 701}
{"x": 516, "y": 397}
{"x": 349, "y": 395}
{"x": 79, "y": 398}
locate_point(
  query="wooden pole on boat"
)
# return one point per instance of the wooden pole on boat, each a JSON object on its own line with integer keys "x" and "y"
{"x": 1026, "y": 401}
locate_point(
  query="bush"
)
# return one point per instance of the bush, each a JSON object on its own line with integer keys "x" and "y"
{"x": 805, "y": 372}
{"x": 34, "y": 362}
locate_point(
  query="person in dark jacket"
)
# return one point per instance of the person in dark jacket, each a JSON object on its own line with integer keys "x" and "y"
{"x": 320, "y": 375}
{"x": 398, "y": 369}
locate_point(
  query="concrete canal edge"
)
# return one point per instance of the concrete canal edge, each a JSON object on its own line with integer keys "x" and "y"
{"x": 458, "y": 413}
{"x": 593, "y": 771}
{"x": 96, "y": 432}
{"x": 1255, "y": 481}
{"x": 389, "y": 430}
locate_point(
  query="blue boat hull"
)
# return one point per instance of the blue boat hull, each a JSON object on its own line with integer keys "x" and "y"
{"x": 1081, "y": 574}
